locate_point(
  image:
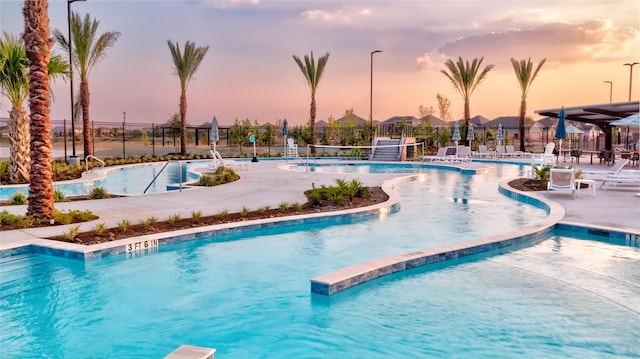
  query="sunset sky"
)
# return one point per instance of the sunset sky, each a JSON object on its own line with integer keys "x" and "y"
{"x": 249, "y": 71}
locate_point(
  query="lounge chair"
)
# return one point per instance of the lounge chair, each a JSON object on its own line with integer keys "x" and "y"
{"x": 562, "y": 180}
{"x": 218, "y": 161}
{"x": 500, "y": 151}
{"x": 600, "y": 174}
{"x": 440, "y": 156}
{"x": 483, "y": 151}
{"x": 463, "y": 154}
{"x": 621, "y": 178}
{"x": 511, "y": 151}
{"x": 546, "y": 158}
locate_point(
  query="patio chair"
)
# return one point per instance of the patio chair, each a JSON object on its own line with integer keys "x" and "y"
{"x": 463, "y": 154}
{"x": 562, "y": 180}
{"x": 622, "y": 178}
{"x": 607, "y": 157}
{"x": 615, "y": 169}
{"x": 439, "y": 156}
{"x": 500, "y": 151}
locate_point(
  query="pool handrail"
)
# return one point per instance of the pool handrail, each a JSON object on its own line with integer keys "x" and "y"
{"x": 86, "y": 163}
{"x": 162, "y": 169}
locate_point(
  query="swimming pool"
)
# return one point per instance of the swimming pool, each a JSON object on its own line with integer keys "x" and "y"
{"x": 128, "y": 180}
{"x": 247, "y": 294}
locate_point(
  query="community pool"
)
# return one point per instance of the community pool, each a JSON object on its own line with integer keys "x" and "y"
{"x": 128, "y": 180}
{"x": 247, "y": 294}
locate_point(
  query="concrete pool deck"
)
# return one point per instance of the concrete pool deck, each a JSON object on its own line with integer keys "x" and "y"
{"x": 266, "y": 183}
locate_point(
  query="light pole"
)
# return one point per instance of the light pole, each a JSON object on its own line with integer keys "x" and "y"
{"x": 631, "y": 75}
{"x": 610, "y": 89}
{"x": 371, "y": 98}
{"x": 73, "y": 122}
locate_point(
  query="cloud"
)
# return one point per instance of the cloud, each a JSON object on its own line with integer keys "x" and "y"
{"x": 560, "y": 43}
{"x": 335, "y": 17}
{"x": 224, "y": 4}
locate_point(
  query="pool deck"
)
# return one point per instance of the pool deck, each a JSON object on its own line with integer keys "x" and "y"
{"x": 264, "y": 183}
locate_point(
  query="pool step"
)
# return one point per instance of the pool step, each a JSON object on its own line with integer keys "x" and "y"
{"x": 191, "y": 352}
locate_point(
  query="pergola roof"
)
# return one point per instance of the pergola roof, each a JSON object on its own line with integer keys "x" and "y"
{"x": 600, "y": 115}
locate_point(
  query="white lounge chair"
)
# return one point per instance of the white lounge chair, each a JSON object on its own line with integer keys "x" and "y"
{"x": 483, "y": 151}
{"x": 440, "y": 156}
{"x": 622, "y": 178}
{"x": 600, "y": 174}
{"x": 546, "y": 158}
{"x": 562, "y": 180}
{"x": 218, "y": 161}
{"x": 463, "y": 154}
{"x": 500, "y": 151}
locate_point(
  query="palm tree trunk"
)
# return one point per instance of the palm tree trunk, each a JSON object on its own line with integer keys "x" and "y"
{"x": 523, "y": 111}
{"x": 38, "y": 42}
{"x": 86, "y": 122}
{"x": 467, "y": 119}
{"x": 183, "y": 123}
{"x": 312, "y": 124}
{"x": 19, "y": 139}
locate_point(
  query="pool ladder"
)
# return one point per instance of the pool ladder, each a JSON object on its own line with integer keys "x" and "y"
{"x": 162, "y": 169}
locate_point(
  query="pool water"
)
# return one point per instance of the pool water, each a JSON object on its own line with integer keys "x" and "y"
{"x": 126, "y": 180}
{"x": 247, "y": 294}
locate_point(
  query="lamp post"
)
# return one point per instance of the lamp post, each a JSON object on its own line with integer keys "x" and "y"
{"x": 74, "y": 158}
{"x": 610, "y": 89}
{"x": 371, "y": 98}
{"x": 631, "y": 75}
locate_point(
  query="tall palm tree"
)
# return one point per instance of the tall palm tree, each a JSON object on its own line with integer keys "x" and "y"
{"x": 312, "y": 73}
{"x": 186, "y": 64}
{"x": 38, "y": 49}
{"x": 89, "y": 49}
{"x": 465, "y": 78}
{"x": 526, "y": 75}
{"x": 14, "y": 82}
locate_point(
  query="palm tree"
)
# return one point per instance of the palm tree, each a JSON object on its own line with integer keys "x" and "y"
{"x": 312, "y": 73}
{"x": 14, "y": 82}
{"x": 466, "y": 78}
{"x": 38, "y": 50}
{"x": 526, "y": 75}
{"x": 186, "y": 64}
{"x": 88, "y": 50}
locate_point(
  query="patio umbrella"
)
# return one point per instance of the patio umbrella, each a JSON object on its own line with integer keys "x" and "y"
{"x": 499, "y": 134}
{"x": 470, "y": 133}
{"x": 561, "y": 131}
{"x": 633, "y": 120}
{"x": 213, "y": 135}
{"x": 285, "y": 132}
{"x": 456, "y": 134}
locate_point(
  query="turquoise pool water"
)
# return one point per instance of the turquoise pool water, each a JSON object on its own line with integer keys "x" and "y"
{"x": 247, "y": 295}
{"x": 126, "y": 180}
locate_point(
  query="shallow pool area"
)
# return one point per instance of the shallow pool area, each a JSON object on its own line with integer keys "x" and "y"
{"x": 247, "y": 294}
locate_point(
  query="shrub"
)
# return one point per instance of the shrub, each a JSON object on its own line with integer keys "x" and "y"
{"x": 99, "y": 228}
{"x": 542, "y": 174}
{"x": 71, "y": 233}
{"x": 99, "y": 193}
{"x": 244, "y": 212}
{"x": 283, "y": 206}
{"x": 173, "y": 218}
{"x": 296, "y": 206}
{"x": 59, "y": 196}
{"x": 18, "y": 198}
{"x": 124, "y": 225}
{"x": 196, "y": 215}
{"x": 207, "y": 181}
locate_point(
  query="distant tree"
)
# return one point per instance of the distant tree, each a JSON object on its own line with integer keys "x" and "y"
{"x": 14, "y": 84}
{"x": 425, "y": 111}
{"x": 466, "y": 77}
{"x": 525, "y": 74}
{"x": 444, "y": 107}
{"x": 174, "y": 127}
{"x": 88, "y": 50}
{"x": 186, "y": 64}
{"x": 37, "y": 43}
{"x": 312, "y": 73}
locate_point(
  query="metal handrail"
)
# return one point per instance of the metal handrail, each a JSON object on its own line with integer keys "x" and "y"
{"x": 86, "y": 163}
{"x": 162, "y": 169}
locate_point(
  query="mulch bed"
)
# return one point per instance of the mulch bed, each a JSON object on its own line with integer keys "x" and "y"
{"x": 376, "y": 195}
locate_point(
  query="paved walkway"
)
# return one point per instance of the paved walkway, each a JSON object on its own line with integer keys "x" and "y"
{"x": 266, "y": 183}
